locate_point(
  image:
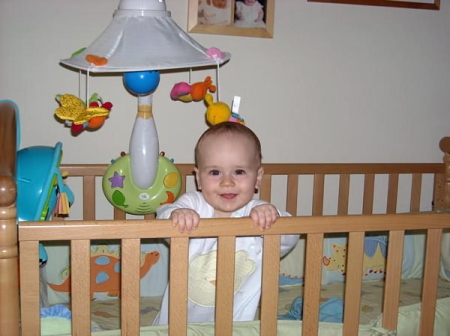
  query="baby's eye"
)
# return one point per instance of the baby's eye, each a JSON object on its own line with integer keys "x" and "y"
{"x": 240, "y": 172}
{"x": 214, "y": 172}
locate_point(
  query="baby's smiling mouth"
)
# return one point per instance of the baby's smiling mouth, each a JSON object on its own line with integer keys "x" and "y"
{"x": 228, "y": 196}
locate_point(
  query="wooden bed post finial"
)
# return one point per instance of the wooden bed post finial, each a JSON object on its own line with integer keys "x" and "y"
{"x": 9, "y": 272}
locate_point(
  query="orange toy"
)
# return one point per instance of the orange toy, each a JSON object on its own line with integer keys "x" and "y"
{"x": 199, "y": 89}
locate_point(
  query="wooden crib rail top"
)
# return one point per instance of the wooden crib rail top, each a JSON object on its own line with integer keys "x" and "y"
{"x": 135, "y": 229}
{"x": 290, "y": 168}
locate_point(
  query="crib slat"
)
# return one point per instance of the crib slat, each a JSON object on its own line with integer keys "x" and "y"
{"x": 313, "y": 275}
{"x": 130, "y": 286}
{"x": 178, "y": 286}
{"x": 353, "y": 282}
{"x": 266, "y": 187}
{"x": 29, "y": 288}
{"x": 416, "y": 189}
{"x": 392, "y": 279}
{"x": 80, "y": 286}
{"x": 119, "y": 214}
{"x": 292, "y": 194}
{"x": 183, "y": 184}
{"x": 318, "y": 192}
{"x": 430, "y": 280}
{"x": 369, "y": 188}
{"x": 392, "y": 194}
{"x": 89, "y": 197}
{"x": 446, "y": 202}
{"x": 270, "y": 278}
{"x": 344, "y": 192}
{"x": 225, "y": 285}
{"x": 439, "y": 197}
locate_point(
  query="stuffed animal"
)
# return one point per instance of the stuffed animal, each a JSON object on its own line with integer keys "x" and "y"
{"x": 216, "y": 112}
{"x": 195, "y": 92}
{"x": 181, "y": 91}
{"x": 200, "y": 89}
{"x": 79, "y": 117}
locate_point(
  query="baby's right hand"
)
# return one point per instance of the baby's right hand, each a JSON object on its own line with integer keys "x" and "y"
{"x": 186, "y": 219}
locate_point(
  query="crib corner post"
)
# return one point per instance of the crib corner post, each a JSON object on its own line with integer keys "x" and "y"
{"x": 447, "y": 181}
{"x": 9, "y": 272}
{"x": 442, "y": 201}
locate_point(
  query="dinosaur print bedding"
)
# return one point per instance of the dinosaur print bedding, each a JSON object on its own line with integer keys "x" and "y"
{"x": 105, "y": 270}
{"x": 105, "y": 284}
{"x": 105, "y": 314}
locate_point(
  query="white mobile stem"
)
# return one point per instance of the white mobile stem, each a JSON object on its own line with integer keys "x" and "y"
{"x": 144, "y": 145}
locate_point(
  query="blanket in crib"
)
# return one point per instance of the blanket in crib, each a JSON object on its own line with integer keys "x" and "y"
{"x": 105, "y": 314}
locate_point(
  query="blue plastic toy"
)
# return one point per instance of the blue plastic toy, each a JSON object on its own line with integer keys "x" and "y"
{"x": 40, "y": 185}
{"x": 39, "y": 182}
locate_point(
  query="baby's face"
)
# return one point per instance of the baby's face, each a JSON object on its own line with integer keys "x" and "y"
{"x": 220, "y": 3}
{"x": 228, "y": 172}
{"x": 249, "y": 2}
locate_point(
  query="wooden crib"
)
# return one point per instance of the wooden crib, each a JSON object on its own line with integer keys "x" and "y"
{"x": 19, "y": 307}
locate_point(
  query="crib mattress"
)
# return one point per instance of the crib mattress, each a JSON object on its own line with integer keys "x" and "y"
{"x": 407, "y": 326}
{"x": 106, "y": 313}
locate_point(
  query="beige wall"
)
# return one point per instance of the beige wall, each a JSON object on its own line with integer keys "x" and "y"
{"x": 337, "y": 83}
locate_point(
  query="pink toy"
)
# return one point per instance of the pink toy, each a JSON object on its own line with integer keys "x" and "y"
{"x": 215, "y": 53}
{"x": 180, "y": 90}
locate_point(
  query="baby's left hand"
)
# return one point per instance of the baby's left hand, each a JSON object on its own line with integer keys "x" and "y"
{"x": 264, "y": 216}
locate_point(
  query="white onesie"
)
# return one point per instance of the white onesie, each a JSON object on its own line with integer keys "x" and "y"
{"x": 249, "y": 15}
{"x": 202, "y": 265}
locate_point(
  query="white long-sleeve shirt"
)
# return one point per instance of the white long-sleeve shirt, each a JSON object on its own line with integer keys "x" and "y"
{"x": 202, "y": 265}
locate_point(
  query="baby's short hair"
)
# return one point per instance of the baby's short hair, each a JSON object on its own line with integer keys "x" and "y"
{"x": 231, "y": 128}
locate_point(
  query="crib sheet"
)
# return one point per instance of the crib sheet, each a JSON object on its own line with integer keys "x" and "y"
{"x": 407, "y": 326}
{"x": 106, "y": 313}
{"x": 371, "y": 295}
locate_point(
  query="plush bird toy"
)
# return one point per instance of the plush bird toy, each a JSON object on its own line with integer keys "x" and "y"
{"x": 79, "y": 117}
{"x": 216, "y": 112}
{"x": 220, "y": 112}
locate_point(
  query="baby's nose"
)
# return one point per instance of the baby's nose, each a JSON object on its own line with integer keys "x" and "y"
{"x": 227, "y": 180}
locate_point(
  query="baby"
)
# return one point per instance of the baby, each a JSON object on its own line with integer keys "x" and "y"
{"x": 214, "y": 12}
{"x": 228, "y": 170}
{"x": 249, "y": 13}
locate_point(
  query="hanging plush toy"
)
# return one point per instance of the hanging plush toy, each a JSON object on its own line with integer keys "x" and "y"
{"x": 79, "y": 117}
{"x": 195, "y": 92}
{"x": 216, "y": 112}
{"x": 219, "y": 112}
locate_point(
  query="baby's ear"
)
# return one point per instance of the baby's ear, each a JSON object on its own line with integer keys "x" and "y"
{"x": 259, "y": 177}
{"x": 197, "y": 178}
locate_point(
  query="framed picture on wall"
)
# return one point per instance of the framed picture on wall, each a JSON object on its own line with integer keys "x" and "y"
{"x": 419, "y": 4}
{"x": 252, "y": 18}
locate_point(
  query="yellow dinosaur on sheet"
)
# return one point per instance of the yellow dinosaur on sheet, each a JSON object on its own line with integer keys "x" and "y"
{"x": 371, "y": 264}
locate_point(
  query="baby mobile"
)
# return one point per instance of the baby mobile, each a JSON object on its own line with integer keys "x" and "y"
{"x": 141, "y": 40}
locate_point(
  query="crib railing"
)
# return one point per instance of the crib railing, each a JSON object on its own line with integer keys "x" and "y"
{"x": 80, "y": 234}
{"x": 130, "y": 232}
{"x": 319, "y": 173}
